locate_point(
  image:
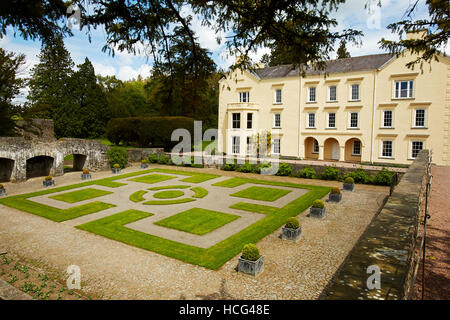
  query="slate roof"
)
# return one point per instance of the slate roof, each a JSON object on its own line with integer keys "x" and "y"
{"x": 362, "y": 63}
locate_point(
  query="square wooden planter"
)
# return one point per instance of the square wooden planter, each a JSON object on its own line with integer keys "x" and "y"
{"x": 349, "y": 186}
{"x": 291, "y": 234}
{"x": 86, "y": 176}
{"x": 333, "y": 197}
{"x": 251, "y": 267}
{"x": 48, "y": 183}
{"x": 116, "y": 170}
{"x": 2, "y": 192}
{"x": 317, "y": 212}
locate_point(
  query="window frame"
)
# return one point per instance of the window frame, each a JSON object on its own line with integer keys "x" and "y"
{"x": 233, "y": 121}
{"x": 353, "y": 148}
{"x": 409, "y": 89}
{"x": 249, "y": 145}
{"x": 335, "y": 94}
{"x": 382, "y": 149}
{"x": 275, "y": 120}
{"x": 245, "y": 94}
{"x": 274, "y": 144}
{"x": 233, "y": 144}
{"x": 250, "y": 121}
{"x": 276, "y": 101}
{"x": 424, "y": 118}
{"x": 315, "y": 142}
{"x": 359, "y": 92}
{"x": 308, "y": 120}
{"x": 309, "y": 94}
{"x": 383, "y": 120}
{"x": 328, "y": 120}
{"x": 411, "y": 148}
{"x": 350, "y": 120}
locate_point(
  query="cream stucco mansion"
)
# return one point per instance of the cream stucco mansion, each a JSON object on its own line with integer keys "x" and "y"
{"x": 369, "y": 109}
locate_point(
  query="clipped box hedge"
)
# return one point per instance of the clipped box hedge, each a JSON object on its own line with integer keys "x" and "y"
{"x": 147, "y": 131}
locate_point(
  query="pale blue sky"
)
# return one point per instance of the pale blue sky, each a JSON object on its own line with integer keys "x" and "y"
{"x": 126, "y": 66}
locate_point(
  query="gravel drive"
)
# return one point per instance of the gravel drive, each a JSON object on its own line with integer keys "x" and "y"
{"x": 113, "y": 270}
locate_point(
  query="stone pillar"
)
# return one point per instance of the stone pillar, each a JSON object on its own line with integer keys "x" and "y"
{"x": 342, "y": 154}
{"x": 321, "y": 152}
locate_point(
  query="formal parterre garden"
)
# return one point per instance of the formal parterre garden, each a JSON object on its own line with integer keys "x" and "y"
{"x": 182, "y": 197}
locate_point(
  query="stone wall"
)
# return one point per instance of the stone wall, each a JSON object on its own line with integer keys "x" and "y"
{"x": 43, "y": 157}
{"x": 389, "y": 243}
{"x": 136, "y": 155}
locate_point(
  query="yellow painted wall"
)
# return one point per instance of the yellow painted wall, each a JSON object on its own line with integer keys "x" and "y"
{"x": 432, "y": 92}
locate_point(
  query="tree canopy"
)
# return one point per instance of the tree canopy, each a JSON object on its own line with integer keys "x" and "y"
{"x": 428, "y": 47}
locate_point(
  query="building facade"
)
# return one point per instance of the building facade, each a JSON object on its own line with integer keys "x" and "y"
{"x": 369, "y": 109}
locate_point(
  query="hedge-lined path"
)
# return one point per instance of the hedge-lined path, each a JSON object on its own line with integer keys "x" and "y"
{"x": 437, "y": 263}
{"x": 115, "y": 270}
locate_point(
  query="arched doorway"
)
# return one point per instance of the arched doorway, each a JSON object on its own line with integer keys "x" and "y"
{"x": 311, "y": 148}
{"x": 6, "y": 169}
{"x": 74, "y": 162}
{"x": 353, "y": 150}
{"x": 331, "y": 150}
{"x": 39, "y": 166}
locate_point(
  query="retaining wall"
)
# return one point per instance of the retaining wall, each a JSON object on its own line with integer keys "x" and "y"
{"x": 389, "y": 243}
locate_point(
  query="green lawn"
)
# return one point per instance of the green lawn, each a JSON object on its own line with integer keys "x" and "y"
{"x": 231, "y": 183}
{"x": 197, "y": 221}
{"x": 213, "y": 257}
{"x": 80, "y": 195}
{"x": 199, "y": 192}
{"x": 152, "y": 178}
{"x": 138, "y": 196}
{"x": 252, "y": 207}
{"x": 169, "y": 194}
{"x": 261, "y": 193}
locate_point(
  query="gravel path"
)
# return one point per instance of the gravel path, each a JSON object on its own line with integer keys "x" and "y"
{"x": 437, "y": 262}
{"x": 114, "y": 270}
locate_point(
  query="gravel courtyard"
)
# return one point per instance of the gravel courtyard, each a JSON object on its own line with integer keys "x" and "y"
{"x": 113, "y": 270}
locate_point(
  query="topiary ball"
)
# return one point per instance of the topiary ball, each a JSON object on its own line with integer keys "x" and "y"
{"x": 318, "y": 204}
{"x": 48, "y": 178}
{"x": 1, "y": 186}
{"x": 292, "y": 223}
{"x": 250, "y": 252}
{"x": 116, "y": 166}
{"x": 85, "y": 171}
{"x": 335, "y": 190}
{"x": 349, "y": 180}
{"x": 144, "y": 161}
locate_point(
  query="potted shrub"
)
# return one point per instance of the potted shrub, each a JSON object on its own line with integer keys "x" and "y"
{"x": 251, "y": 262}
{"x": 86, "y": 175}
{"x": 116, "y": 168}
{"x": 335, "y": 195}
{"x": 291, "y": 230}
{"x": 2, "y": 190}
{"x": 318, "y": 209}
{"x": 48, "y": 181}
{"x": 144, "y": 164}
{"x": 349, "y": 184}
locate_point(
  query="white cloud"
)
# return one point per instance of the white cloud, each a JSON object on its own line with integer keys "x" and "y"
{"x": 104, "y": 70}
{"x": 127, "y": 72}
